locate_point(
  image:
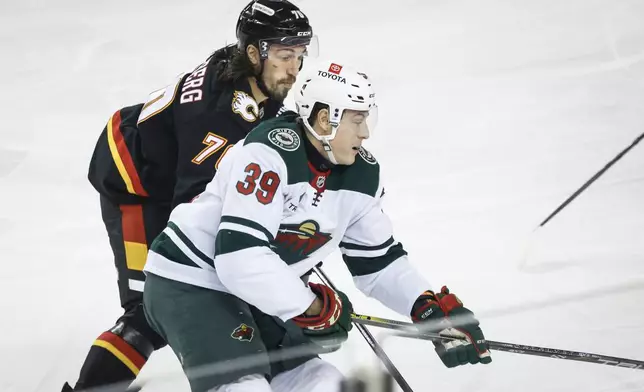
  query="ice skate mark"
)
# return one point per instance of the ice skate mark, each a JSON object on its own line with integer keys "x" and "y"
{"x": 627, "y": 62}
{"x": 623, "y": 384}
{"x": 600, "y": 258}
{"x": 549, "y": 69}
{"x": 546, "y": 267}
{"x": 10, "y": 160}
{"x": 558, "y": 300}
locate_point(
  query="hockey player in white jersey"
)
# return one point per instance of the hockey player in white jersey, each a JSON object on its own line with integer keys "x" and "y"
{"x": 224, "y": 278}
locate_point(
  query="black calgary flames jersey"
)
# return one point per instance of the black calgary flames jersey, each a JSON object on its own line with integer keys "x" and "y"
{"x": 167, "y": 149}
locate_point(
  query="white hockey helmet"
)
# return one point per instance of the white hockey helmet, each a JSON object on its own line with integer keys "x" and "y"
{"x": 340, "y": 88}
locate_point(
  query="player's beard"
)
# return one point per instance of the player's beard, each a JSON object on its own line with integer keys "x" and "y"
{"x": 280, "y": 89}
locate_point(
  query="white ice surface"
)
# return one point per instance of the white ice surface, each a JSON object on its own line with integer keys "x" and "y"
{"x": 491, "y": 114}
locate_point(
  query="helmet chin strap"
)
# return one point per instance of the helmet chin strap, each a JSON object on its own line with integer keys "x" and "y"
{"x": 329, "y": 151}
{"x": 325, "y": 140}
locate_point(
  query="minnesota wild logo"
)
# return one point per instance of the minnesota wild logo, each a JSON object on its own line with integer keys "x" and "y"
{"x": 295, "y": 242}
{"x": 284, "y": 138}
{"x": 243, "y": 333}
{"x": 367, "y": 156}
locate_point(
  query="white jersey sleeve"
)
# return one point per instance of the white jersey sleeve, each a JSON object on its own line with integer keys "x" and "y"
{"x": 251, "y": 214}
{"x": 378, "y": 262}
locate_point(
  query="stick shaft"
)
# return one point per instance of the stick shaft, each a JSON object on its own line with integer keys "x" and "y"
{"x": 411, "y": 331}
{"x": 373, "y": 343}
{"x": 591, "y": 180}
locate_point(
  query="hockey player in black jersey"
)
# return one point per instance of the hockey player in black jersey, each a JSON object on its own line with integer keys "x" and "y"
{"x": 155, "y": 155}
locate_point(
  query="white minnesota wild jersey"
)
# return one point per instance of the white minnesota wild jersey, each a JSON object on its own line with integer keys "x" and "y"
{"x": 269, "y": 216}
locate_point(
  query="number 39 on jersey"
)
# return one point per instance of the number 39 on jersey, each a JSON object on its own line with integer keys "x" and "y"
{"x": 262, "y": 184}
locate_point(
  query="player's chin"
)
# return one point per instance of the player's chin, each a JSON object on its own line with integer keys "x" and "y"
{"x": 347, "y": 159}
{"x": 285, "y": 87}
{"x": 281, "y": 91}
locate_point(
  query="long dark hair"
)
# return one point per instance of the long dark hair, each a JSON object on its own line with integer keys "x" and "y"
{"x": 232, "y": 64}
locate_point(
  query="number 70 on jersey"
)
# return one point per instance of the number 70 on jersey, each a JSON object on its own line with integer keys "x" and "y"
{"x": 213, "y": 144}
{"x": 268, "y": 181}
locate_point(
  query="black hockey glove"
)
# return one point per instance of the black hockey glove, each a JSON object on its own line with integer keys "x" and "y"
{"x": 445, "y": 314}
{"x": 330, "y": 328}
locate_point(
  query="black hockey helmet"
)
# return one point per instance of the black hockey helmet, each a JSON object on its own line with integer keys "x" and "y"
{"x": 263, "y": 22}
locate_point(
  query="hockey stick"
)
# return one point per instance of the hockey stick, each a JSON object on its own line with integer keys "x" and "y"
{"x": 412, "y": 331}
{"x": 591, "y": 180}
{"x": 373, "y": 343}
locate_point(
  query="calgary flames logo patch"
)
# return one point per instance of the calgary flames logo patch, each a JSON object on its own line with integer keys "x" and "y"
{"x": 296, "y": 242}
{"x": 243, "y": 333}
{"x": 245, "y": 106}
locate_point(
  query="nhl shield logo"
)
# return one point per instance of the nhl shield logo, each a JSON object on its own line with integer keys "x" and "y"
{"x": 320, "y": 182}
{"x": 243, "y": 333}
{"x": 284, "y": 138}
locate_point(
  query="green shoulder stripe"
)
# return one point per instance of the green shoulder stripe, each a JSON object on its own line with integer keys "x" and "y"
{"x": 359, "y": 266}
{"x": 164, "y": 246}
{"x": 348, "y": 245}
{"x": 362, "y": 177}
{"x": 229, "y": 241}
{"x": 248, "y": 223}
{"x": 184, "y": 238}
{"x": 283, "y": 135}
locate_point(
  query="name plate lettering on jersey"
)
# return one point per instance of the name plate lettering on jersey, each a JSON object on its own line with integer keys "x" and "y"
{"x": 159, "y": 100}
{"x": 284, "y": 138}
{"x": 191, "y": 90}
{"x": 367, "y": 156}
{"x": 244, "y": 105}
{"x": 295, "y": 242}
{"x": 282, "y": 110}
